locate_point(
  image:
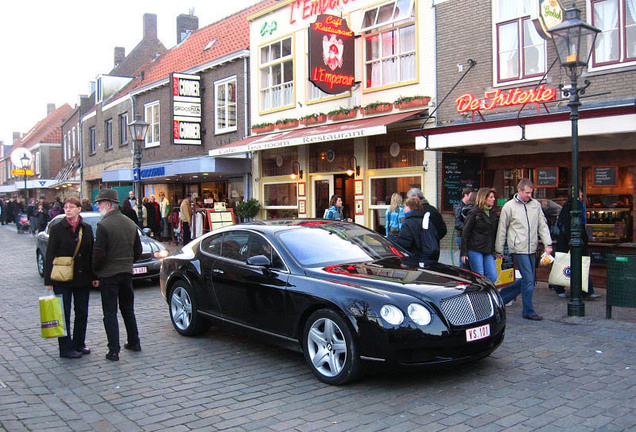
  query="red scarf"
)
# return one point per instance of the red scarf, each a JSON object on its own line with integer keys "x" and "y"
{"x": 73, "y": 224}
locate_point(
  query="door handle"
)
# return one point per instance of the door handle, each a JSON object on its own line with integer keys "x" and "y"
{"x": 218, "y": 271}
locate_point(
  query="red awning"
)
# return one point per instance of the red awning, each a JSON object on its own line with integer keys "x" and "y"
{"x": 328, "y": 132}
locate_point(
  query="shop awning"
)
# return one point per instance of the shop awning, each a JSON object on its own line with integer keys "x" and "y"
{"x": 596, "y": 121}
{"x": 328, "y": 132}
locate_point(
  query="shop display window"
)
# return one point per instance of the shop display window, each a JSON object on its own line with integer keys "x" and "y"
{"x": 395, "y": 149}
{"x": 381, "y": 190}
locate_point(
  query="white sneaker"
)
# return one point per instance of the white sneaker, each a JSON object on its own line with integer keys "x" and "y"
{"x": 510, "y": 303}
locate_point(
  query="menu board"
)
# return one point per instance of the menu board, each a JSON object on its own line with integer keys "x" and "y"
{"x": 547, "y": 177}
{"x": 604, "y": 176}
{"x": 458, "y": 172}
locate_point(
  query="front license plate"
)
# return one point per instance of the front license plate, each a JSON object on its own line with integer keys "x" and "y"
{"x": 140, "y": 270}
{"x": 477, "y": 333}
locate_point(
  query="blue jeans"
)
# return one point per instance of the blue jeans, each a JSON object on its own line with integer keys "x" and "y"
{"x": 523, "y": 286}
{"x": 483, "y": 264}
{"x": 119, "y": 289}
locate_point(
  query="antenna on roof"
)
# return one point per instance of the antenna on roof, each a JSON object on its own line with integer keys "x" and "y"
{"x": 191, "y": 11}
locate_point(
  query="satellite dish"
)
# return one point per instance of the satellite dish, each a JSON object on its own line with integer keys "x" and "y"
{"x": 18, "y": 154}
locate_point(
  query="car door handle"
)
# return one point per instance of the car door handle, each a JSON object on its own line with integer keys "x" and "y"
{"x": 218, "y": 271}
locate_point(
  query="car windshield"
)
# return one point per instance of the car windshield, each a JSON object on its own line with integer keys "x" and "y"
{"x": 313, "y": 246}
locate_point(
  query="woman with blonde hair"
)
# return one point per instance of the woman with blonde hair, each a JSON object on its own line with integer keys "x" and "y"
{"x": 478, "y": 235}
{"x": 394, "y": 217}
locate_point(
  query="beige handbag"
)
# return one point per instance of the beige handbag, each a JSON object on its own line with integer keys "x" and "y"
{"x": 561, "y": 272}
{"x": 64, "y": 266}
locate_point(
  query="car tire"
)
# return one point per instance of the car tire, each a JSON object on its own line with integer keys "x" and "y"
{"x": 40, "y": 262}
{"x": 330, "y": 349}
{"x": 184, "y": 312}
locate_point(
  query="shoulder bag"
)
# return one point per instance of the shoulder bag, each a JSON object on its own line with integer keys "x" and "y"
{"x": 63, "y": 267}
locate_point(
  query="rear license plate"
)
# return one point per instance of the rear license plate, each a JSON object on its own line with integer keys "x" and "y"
{"x": 140, "y": 270}
{"x": 477, "y": 333}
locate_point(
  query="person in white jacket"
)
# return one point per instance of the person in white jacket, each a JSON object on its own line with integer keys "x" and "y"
{"x": 521, "y": 223}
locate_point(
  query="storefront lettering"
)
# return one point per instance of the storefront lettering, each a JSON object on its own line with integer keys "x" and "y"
{"x": 186, "y": 130}
{"x": 321, "y": 75}
{"x": 304, "y": 9}
{"x": 185, "y": 87}
{"x": 497, "y": 99}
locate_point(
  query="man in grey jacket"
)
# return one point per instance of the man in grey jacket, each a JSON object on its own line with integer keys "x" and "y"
{"x": 521, "y": 223}
{"x": 117, "y": 247}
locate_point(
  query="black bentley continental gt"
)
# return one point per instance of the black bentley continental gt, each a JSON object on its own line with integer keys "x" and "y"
{"x": 337, "y": 291}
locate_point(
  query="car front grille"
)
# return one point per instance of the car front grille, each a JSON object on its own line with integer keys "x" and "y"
{"x": 467, "y": 308}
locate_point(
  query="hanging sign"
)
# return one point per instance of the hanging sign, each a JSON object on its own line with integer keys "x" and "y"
{"x": 497, "y": 99}
{"x": 550, "y": 15}
{"x": 186, "y": 108}
{"x": 331, "y": 54}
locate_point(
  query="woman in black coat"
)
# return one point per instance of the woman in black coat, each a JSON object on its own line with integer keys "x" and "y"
{"x": 478, "y": 235}
{"x": 63, "y": 239}
{"x": 418, "y": 234}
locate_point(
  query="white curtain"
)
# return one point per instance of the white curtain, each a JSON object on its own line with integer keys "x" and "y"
{"x": 508, "y": 40}
{"x": 606, "y": 19}
{"x": 630, "y": 31}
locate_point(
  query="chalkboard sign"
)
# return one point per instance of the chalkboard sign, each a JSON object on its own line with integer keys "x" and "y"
{"x": 547, "y": 177}
{"x": 605, "y": 176}
{"x": 458, "y": 173}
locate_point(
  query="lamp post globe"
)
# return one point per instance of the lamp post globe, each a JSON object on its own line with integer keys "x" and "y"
{"x": 574, "y": 40}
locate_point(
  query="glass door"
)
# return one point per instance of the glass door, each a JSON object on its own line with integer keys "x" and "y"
{"x": 322, "y": 191}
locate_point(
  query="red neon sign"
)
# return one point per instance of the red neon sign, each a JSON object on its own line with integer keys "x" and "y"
{"x": 305, "y": 9}
{"x": 496, "y": 99}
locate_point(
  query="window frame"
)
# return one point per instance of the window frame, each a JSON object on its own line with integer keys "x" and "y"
{"x": 123, "y": 129}
{"x": 153, "y": 136}
{"x": 92, "y": 140}
{"x": 108, "y": 134}
{"x": 621, "y": 21}
{"x": 226, "y": 83}
{"x": 265, "y": 94}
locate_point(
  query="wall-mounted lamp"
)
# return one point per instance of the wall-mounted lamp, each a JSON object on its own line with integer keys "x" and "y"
{"x": 354, "y": 166}
{"x": 297, "y": 172}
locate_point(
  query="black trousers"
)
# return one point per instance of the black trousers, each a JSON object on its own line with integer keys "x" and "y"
{"x": 185, "y": 226}
{"x": 79, "y": 297}
{"x": 118, "y": 289}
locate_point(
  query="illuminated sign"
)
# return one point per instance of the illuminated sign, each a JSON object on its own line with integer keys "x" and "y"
{"x": 186, "y": 108}
{"x": 550, "y": 15}
{"x": 331, "y": 54}
{"x": 16, "y": 172}
{"x": 498, "y": 99}
{"x": 304, "y": 9}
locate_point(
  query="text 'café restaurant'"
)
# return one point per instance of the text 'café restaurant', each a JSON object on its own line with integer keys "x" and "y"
{"x": 498, "y": 152}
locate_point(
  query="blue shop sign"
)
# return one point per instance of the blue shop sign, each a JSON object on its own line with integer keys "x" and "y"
{"x": 153, "y": 172}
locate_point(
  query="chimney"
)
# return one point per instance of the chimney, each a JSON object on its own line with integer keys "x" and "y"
{"x": 50, "y": 107}
{"x": 120, "y": 55}
{"x": 150, "y": 26}
{"x": 186, "y": 24}
{"x": 16, "y": 137}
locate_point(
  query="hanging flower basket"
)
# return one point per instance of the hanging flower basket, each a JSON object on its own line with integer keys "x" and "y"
{"x": 411, "y": 102}
{"x": 377, "y": 108}
{"x": 343, "y": 115}
{"x": 314, "y": 119}
{"x": 287, "y": 124}
{"x": 263, "y": 128}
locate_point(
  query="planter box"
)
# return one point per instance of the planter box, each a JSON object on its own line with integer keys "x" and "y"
{"x": 412, "y": 103}
{"x": 377, "y": 109}
{"x": 287, "y": 125}
{"x": 263, "y": 129}
{"x": 314, "y": 120}
{"x": 343, "y": 116}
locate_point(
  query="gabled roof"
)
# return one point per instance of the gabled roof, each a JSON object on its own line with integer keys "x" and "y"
{"x": 230, "y": 35}
{"x": 47, "y": 130}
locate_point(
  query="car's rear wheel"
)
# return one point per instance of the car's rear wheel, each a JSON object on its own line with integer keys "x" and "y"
{"x": 330, "y": 349}
{"x": 183, "y": 310}
{"x": 40, "y": 262}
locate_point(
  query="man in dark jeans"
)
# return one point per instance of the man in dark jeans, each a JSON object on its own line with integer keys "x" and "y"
{"x": 117, "y": 247}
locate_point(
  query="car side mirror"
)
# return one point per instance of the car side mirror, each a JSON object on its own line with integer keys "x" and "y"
{"x": 259, "y": 260}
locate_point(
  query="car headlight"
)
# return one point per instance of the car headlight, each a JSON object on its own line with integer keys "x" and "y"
{"x": 419, "y": 314}
{"x": 497, "y": 298}
{"x": 161, "y": 253}
{"x": 392, "y": 314}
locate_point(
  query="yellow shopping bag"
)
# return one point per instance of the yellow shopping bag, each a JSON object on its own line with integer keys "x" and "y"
{"x": 52, "y": 316}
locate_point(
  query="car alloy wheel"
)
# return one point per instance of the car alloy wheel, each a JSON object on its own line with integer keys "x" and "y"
{"x": 329, "y": 348}
{"x": 183, "y": 311}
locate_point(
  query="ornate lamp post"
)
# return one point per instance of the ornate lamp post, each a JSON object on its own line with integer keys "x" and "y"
{"x": 26, "y": 161}
{"x": 574, "y": 40}
{"x": 138, "y": 129}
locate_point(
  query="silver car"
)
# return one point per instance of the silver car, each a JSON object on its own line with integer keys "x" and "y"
{"x": 147, "y": 266}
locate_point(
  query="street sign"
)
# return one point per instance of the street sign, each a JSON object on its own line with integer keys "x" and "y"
{"x": 15, "y": 172}
{"x": 136, "y": 174}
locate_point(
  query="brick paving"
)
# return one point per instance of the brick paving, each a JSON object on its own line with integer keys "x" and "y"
{"x": 560, "y": 374}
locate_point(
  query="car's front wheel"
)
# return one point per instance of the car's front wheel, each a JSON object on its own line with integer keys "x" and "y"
{"x": 183, "y": 310}
{"x": 329, "y": 348}
{"x": 40, "y": 262}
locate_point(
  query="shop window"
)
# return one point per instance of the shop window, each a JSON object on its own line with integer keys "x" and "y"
{"x": 381, "y": 190}
{"x": 225, "y": 104}
{"x": 152, "y": 118}
{"x": 278, "y": 162}
{"x": 520, "y": 48}
{"x": 108, "y": 134}
{"x": 616, "y": 44}
{"x": 394, "y": 150}
{"x": 276, "y": 69}
{"x": 280, "y": 200}
{"x": 334, "y": 156}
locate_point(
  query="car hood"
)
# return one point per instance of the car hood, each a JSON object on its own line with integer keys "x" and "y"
{"x": 434, "y": 282}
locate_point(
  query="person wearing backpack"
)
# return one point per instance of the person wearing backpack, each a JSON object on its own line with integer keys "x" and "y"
{"x": 418, "y": 234}
{"x": 394, "y": 217}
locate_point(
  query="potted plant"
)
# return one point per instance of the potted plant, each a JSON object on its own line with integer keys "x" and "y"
{"x": 377, "y": 107}
{"x": 404, "y": 102}
{"x": 247, "y": 210}
{"x": 286, "y": 123}
{"x": 263, "y": 127}
{"x": 313, "y": 119}
{"x": 343, "y": 113}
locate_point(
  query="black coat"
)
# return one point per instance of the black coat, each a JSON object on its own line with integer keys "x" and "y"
{"x": 564, "y": 222}
{"x": 416, "y": 240}
{"x": 479, "y": 232}
{"x": 62, "y": 242}
{"x": 437, "y": 220}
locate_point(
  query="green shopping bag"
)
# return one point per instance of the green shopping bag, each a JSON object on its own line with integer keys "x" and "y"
{"x": 52, "y": 316}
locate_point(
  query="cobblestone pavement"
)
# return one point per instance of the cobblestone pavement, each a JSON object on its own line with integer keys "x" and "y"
{"x": 559, "y": 374}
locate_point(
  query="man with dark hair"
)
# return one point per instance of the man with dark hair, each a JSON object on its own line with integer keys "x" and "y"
{"x": 521, "y": 223}
{"x": 436, "y": 217}
{"x": 117, "y": 247}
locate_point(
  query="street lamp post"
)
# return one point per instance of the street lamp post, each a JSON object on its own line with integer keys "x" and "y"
{"x": 574, "y": 40}
{"x": 25, "y": 164}
{"x": 138, "y": 129}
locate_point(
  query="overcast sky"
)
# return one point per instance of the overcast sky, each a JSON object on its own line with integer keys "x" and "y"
{"x": 51, "y": 49}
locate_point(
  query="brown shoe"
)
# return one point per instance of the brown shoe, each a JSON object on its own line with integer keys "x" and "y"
{"x": 534, "y": 317}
